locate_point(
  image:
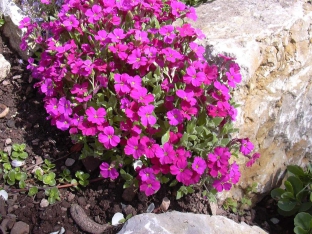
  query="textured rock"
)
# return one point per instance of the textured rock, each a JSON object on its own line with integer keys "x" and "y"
{"x": 5, "y": 67}
{"x": 272, "y": 43}
{"x": 20, "y": 228}
{"x": 185, "y": 223}
{"x": 12, "y": 16}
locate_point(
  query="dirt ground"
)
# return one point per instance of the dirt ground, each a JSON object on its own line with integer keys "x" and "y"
{"x": 26, "y": 123}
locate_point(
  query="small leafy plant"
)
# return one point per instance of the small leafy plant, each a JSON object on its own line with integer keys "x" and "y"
{"x": 19, "y": 152}
{"x": 296, "y": 197}
{"x": 82, "y": 178}
{"x": 53, "y": 195}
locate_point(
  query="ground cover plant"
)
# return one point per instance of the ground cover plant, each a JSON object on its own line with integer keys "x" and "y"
{"x": 133, "y": 88}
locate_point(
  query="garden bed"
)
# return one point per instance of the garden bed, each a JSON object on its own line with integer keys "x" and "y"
{"x": 26, "y": 123}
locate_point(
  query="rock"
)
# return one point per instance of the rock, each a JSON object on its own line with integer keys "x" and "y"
{"x": 165, "y": 204}
{"x": 8, "y": 149}
{"x": 5, "y": 67}
{"x": 82, "y": 201}
{"x": 20, "y": 228}
{"x": 8, "y": 223}
{"x": 70, "y": 197}
{"x": 128, "y": 194}
{"x": 129, "y": 210}
{"x": 116, "y": 218}
{"x": 11, "y": 123}
{"x": 13, "y": 16}
{"x": 8, "y": 141}
{"x": 69, "y": 162}
{"x": 272, "y": 43}
{"x": 44, "y": 203}
{"x": 183, "y": 223}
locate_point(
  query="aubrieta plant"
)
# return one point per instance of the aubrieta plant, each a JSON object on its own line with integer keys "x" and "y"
{"x": 131, "y": 86}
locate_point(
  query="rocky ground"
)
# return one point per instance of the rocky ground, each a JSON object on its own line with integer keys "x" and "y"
{"x": 26, "y": 123}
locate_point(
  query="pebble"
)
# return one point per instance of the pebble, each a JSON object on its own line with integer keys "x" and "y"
{"x": 69, "y": 162}
{"x": 44, "y": 203}
{"x": 20, "y": 228}
{"x": 10, "y": 123}
{"x": 8, "y": 149}
{"x": 5, "y": 83}
{"x": 35, "y": 142}
{"x": 70, "y": 197}
{"x": 8, "y": 141}
{"x": 8, "y": 223}
{"x": 82, "y": 201}
{"x": 38, "y": 159}
{"x": 129, "y": 210}
{"x": 17, "y": 77}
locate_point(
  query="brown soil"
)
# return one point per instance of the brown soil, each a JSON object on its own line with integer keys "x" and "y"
{"x": 26, "y": 123}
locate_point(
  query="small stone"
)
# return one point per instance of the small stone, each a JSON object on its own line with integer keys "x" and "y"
{"x": 82, "y": 201}
{"x": 63, "y": 209}
{"x": 70, "y": 197}
{"x": 11, "y": 123}
{"x": 17, "y": 77}
{"x": 8, "y": 149}
{"x": 8, "y": 141}
{"x": 213, "y": 208}
{"x": 44, "y": 203}
{"x": 274, "y": 220}
{"x": 20, "y": 228}
{"x": 38, "y": 159}
{"x": 128, "y": 194}
{"x": 4, "y": 195}
{"x": 5, "y": 83}
{"x": 8, "y": 223}
{"x": 129, "y": 210}
{"x": 69, "y": 162}
{"x": 35, "y": 142}
{"x": 116, "y": 218}
{"x": 165, "y": 204}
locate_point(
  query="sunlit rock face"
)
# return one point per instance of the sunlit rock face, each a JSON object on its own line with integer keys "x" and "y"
{"x": 272, "y": 43}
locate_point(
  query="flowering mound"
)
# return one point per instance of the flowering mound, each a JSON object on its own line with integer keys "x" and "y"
{"x": 132, "y": 88}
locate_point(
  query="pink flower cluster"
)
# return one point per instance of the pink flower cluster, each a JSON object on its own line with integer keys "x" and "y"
{"x": 119, "y": 74}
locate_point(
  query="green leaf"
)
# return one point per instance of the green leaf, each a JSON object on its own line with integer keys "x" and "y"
{"x": 303, "y": 220}
{"x": 288, "y": 187}
{"x": 179, "y": 195}
{"x": 164, "y": 179}
{"x": 11, "y": 175}
{"x": 190, "y": 190}
{"x": 173, "y": 183}
{"x": 32, "y": 191}
{"x": 125, "y": 175}
{"x": 286, "y": 205}
{"x": 305, "y": 206}
{"x": 22, "y": 184}
{"x": 165, "y": 138}
{"x": 300, "y": 230}
{"x": 296, "y": 170}
{"x": 23, "y": 155}
{"x": 51, "y": 200}
{"x": 217, "y": 121}
{"x": 296, "y": 183}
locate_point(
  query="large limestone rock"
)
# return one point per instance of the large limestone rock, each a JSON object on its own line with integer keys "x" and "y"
{"x": 12, "y": 16}
{"x": 272, "y": 43}
{"x": 185, "y": 223}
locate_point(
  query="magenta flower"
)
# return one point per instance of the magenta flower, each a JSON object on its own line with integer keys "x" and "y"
{"x": 187, "y": 96}
{"x": 87, "y": 128}
{"x": 177, "y": 8}
{"x": 141, "y": 96}
{"x": 218, "y": 161}
{"x": 94, "y": 14}
{"x": 149, "y": 187}
{"x": 147, "y": 174}
{"x": 234, "y": 173}
{"x": 25, "y": 22}
{"x": 221, "y": 110}
{"x": 146, "y": 114}
{"x": 175, "y": 117}
{"x": 51, "y": 107}
{"x": 96, "y": 116}
{"x": 165, "y": 154}
{"x": 117, "y": 35}
{"x": 198, "y": 50}
{"x": 101, "y": 36}
{"x": 168, "y": 32}
{"x": 70, "y": 23}
{"x": 134, "y": 148}
{"x": 253, "y": 159}
{"x": 193, "y": 77}
{"x": 63, "y": 122}
{"x": 222, "y": 92}
{"x": 108, "y": 139}
{"x": 222, "y": 184}
{"x": 233, "y": 77}
{"x": 107, "y": 171}
{"x": 135, "y": 82}
{"x": 183, "y": 174}
{"x": 47, "y": 87}
{"x": 137, "y": 59}
{"x": 191, "y": 14}
{"x": 64, "y": 106}
{"x": 120, "y": 50}
{"x": 199, "y": 165}
{"x": 149, "y": 146}
{"x": 80, "y": 89}
{"x": 188, "y": 111}
{"x": 141, "y": 36}
{"x": 171, "y": 54}
{"x": 246, "y": 146}
{"x": 121, "y": 86}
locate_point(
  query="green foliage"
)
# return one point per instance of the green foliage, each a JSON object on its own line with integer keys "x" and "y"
{"x": 19, "y": 152}
{"x": 196, "y": 2}
{"x": 184, "y": 190}
{"x": 14, "y": 176}
{"x": 2, "y": 21}
{"x": 49, "y": 179}
{"x": 32, "y": 191}
{"x": 230, "y": 204}
{"x": 47, "y": 165}
{"x": 65, "y": 176}
{"x": 296, "y": 198}
{"x": 53, "y": 195}
{"x": 82, "y": 178}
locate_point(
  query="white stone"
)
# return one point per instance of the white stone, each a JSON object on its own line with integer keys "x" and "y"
{"x": 8, "y": 141}
{"x": 69, "y": 162}
{"x": 4, "y": 195}
{"x": 116, "y": 218}
{"x": 44, "y": 203}
{"x": 17, "y": 163}
{"x": 5, "y": 67}
{"x": 183, "y": 223}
